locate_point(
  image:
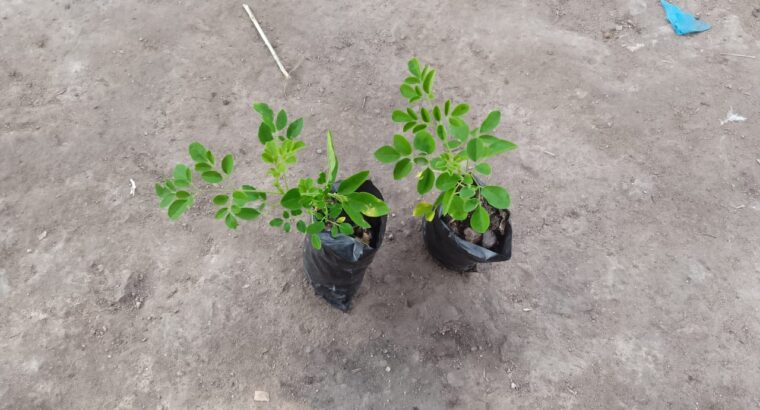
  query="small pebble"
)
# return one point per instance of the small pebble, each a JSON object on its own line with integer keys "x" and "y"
{"x": 42, "y": 235}
{"x": 319, "y": 150}
{"x": 489, "y": 239}
{"x": 514, "y": 386}
{"x": 259, "y": 395}
{"x": 387, "y": 368}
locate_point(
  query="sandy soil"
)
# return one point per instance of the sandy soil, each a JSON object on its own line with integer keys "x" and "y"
{"x": 635, "y": 280}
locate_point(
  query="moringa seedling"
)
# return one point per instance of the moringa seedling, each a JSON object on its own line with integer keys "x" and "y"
{"x": 312, "y": 206}
{"x": 447, "y": 150}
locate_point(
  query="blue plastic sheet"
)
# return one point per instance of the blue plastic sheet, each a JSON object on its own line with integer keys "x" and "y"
{"x": 683, "y": 23}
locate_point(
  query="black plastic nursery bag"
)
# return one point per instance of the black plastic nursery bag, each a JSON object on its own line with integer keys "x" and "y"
{"x": 457, "y": 254}
{"x": 336, "y": 271}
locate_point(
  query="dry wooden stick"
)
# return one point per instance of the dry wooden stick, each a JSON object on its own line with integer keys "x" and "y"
{"x": 266, "y": 41}
{"x": 737, "y": 55}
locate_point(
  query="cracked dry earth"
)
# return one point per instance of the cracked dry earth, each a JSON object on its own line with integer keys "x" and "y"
{"x": 635, "y": 278}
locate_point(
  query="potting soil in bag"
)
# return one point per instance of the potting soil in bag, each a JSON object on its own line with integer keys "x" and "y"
{"x": 458, "y": 254}
{"x": 336, "y": 271}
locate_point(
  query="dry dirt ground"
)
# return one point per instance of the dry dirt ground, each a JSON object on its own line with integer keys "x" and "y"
{"x": 635, "y": 280}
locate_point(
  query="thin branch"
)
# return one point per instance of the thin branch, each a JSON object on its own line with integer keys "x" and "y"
{"x": 737, "y": 55}
{"x": 266, "y": 41}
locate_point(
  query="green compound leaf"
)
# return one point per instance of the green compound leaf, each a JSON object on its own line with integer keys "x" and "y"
{"x": 182, "y": 173}
{"x": 355, "y": 215}
{"x": 426, "y": 181}
{"x": 231, "y": 221}
{"x": 294, "y": 129}
{"x": 267, "y": 115}
{"x": 248, "y": 213}
{"x": 480, "y": 220}
{"x": 212, "y": 177}
{"x": 497, "y": 146}
{"x": 282, "y": 120}
{"x": 471, "y": 204}
{"x": 419, "y": 127}
{"x": 240, "y": 197}
{"x": 467, "y": 193}
{"x": 440, "y": 131}
{"x": 412, "y": 80}
{"x": 424, "y": 142}
{"x": 203, "y": 167}
{"x": 446, "y": 181}
{"x": 460, "y": 110}
{"x": 401, "y": 116}
{"x": 368, "y": 204}
{"x": 353, "y": 182}
{"x": 228, "y": 163}
{"x": 265, "y": 133}
{"x": 425, "y": 114}
{"x": 427, "y": 82}
{"x": 346, "y": 228}
{"x": 456, "y": 208}
{"x": 270, "y": 153}
{"x": 491, "y": 122}
{"x": 301, "y": 226}
{"x": 387, "y": 154}
{"x": 332, "y": 159}
{"x": 414, "y": 67}
{"x": 315, "y": 227}
{"x": 497, "y": 196}
{"x": 167, "y": 200}
{"x": 437, "y": 164}
{"x": 402, "y": 168}
{"x": 424, "y": 209}
{"x": 461, "y": 131}
{"x": 291, "y": 199}
{"x": 407, "y": 91}
{"x": 401, "y": 144}
{"x": 476, "y": 149}
{"x": 161, "y": 190}
{"x": 178, "y": 207}
{"x": 483, "y": 168}
{"x": 197, "y": 152}
{"x": 315, "y": 241}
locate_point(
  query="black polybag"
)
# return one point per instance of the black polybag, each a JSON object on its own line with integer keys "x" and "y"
{"x": 336, "y": 271}
{"x": 458, "y": 254}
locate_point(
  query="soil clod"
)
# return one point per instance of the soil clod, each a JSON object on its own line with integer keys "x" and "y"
{"x": 491, "y": 239}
